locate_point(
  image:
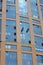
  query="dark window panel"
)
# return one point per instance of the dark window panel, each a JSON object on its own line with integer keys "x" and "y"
{"x": 0, "y": 5}
{"x": 10, "y": 31}
{"x": 34, "y": 8}
{"x": 26, "y": 48}
{"x": 26, "y": 59}
{"x": 41, "y": 1}
{"x": 25, "y": 32}
{"x": 37, "y": 29}
{"x": 11, "y": 58}
{"x": 11, "y": 12}
{"x": 10, "y": 1}
{"x": 38, "y": 44}
{"x": 39, "y": 60}
{"x": 0, "y": 15}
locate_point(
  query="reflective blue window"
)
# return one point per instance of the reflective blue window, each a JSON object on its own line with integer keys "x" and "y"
{"x": 25, "y": 32}
{"x": 24, "y": 18}
{"x": 0, "y": 5}
{"x": 26, "y": 59}
{"x": 34, "y": 8}
{"x": 42, "y": 11}
{"x": 37, "y": 29}
{"x": 10, "y": 31}
{"x": 23, "y": 7}
{"x": 11, "y": 12}
{"x": 41, "y": 1}
{"x": 0, "y": 25}
{"x": 0, "y": 15}
{"x": 36, "y": 21}
{"x": 10, "y": 46}
{"x": 26, "y": 48}
{"x": 39, "y": 60}
{"x": 10, "y": 1}
{"x": 38, "y": 43}
{"x": 11, "y": 58}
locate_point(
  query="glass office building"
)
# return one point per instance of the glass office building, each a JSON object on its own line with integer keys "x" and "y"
{"x": 21, "y": 32}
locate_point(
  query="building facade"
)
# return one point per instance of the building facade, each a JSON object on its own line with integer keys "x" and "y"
{"x": 21, "y": 32}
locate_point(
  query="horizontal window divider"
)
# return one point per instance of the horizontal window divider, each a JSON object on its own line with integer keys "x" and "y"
{"x": 10, "y": 19}
{"x": 28, "y": 45}
{"x": 11, "y": 50}
{"x": 24, "y": 21}
{"x": 38, "y": 35}
{"x": 36, "y": 24}
{"x": 11, "y": 4}
{"x": 27, "y": 52}
{"x": 37, "y": 53}
{"x": 24, "y": 16}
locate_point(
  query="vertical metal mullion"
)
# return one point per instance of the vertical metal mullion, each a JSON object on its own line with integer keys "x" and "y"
{"x": 18, "y": 33}
{"x": 32, "y": 35}
{"x": 3, "y": 32}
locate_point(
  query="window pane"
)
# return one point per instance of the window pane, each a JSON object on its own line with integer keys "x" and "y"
{"x": 26, "y": 59}
{"x": 0, "y": 25}
{"x": 39, "y": 60}
{"x": 42, "y": 11}
{"x": 10, "y": 31}
{"x": 25, "y": 32}
{"x": 11, "y": 58}
{"x": 34, "y": 8}
{"x": 36, "y": 21}
{"x": 10, "y": 46}
{"x": 10, "y": 1}
{"x": 41, "y": 1}
{"x": 0, "y": 15}
{"x": 11, "y": 12}
{"x": 26, "y": 48}
{"x": 38, "y": 43}
{"x": 23, "y": 7}
{"x": 23, "y": 18}
{"x": 0, "y": 5}
{"x": 37, "y": 29}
